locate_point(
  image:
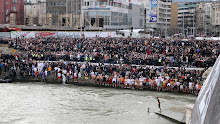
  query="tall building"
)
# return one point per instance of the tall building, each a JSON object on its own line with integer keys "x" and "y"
{"x": 204, "y": 18}
{"x": 174, "y": 18}
{"x": 56, "y": 8}
{"x": 187, "y": 18}
{"x": 216, "y": 18}
{"x": 159, "y": 16}
{"x": 111, "y": 15}
{"x": 35, "y": 14}
{"x": 12, "y": 12}
{"x": 73, "y": 12}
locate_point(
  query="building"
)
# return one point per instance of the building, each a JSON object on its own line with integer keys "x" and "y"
{"x": 159, "y": 16}
{"x": 56, "y": 9}
{"x": 174, "y": 18}
{"x": 96, "y": 14}
{"x": 113, "y": 15}
{"x": 73, "y": 12}
{"x": 187, "y": 18}
{"x": 35, "y": 14}
{"x": 34, "y": 1}
{"x": 204, "y": 18}
{"x": 216, "y": 18}
{"x": 12, "y": 12}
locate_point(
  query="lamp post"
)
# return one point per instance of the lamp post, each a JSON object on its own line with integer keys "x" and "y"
{"x": 166, "y": 19}
{"x": 81, "y": 20}
{"x": 183, "y": 25}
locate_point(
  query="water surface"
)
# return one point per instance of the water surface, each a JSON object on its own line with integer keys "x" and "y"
{"x": 38, "y": 103}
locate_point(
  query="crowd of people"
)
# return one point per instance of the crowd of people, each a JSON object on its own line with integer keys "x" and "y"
{"x": 158, "y": 52}
{"x": 118, "y": 76}
{"x": 157, "y": 64}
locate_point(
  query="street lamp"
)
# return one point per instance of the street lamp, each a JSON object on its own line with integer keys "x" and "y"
{"x": 166, "y": 19}
{"x": 81, "y": 20}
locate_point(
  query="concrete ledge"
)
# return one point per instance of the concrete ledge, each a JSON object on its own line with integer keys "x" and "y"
{"x": 188, "y": 112}
{"x": 175, "y": 116}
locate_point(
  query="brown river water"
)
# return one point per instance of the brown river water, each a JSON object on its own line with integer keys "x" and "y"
{"x": 39, "y": 103}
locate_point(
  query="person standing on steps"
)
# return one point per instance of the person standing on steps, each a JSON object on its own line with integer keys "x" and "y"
{"x": 158, "y": 100}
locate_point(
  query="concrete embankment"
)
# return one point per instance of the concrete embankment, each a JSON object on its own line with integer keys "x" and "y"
{"x": 83, "y": 82}
{"x": 175, "y": 114}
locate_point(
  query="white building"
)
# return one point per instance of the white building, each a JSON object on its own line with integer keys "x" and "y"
{"x": 35, "y": 13}
{"x": 187, "y": 18}
{"x": 204, "y": 18}
{"x": 159, "y": 16}
{"x": 216, "y": 18}
{"x": 34, "y": 1}
{"x": 111, "y": 15}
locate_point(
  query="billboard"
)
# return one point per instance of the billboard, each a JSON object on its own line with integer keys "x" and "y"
{"x": 153, "y": 11}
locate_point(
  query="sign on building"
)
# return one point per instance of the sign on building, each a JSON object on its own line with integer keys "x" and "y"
{"x": 153, "y": 11}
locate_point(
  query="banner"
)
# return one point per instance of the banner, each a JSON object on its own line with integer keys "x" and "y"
{"x": 69, "y": 34}
{"x": 207, "y": 108}
{"x": 153, "y": 11}
{"x": 24, "y": 34}
{"x": 45, "y": 34}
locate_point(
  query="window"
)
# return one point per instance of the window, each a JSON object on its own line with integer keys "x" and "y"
{"x": 15, "y": 2}
{"x": 96, "y": 3}
{"x": 54, "y": 3}
{"x": 87, "y": 3}
{"x": 6, "y": 2}
{"x": 13, "y": 8}
{"x": 51, "y": 4}
{"x": 141, "y": 22}
{"x": 64, "y": 3}
{"x": 58, "y": 3}
{"x": 91, "y": 3}
{"x": 79, "y": 7}
{"x": 61, "y": 3}
{"x": 7, "y": 19}
{"x": 6, "y": 11}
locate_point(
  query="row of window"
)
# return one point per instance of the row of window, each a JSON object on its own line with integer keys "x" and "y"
{"x": 56, "y": 12}
{"x": 13, "y": 2}
{"x": 95, "y": 3}
{"x": 56, "y": 4}
{"x": 12, "y": 8}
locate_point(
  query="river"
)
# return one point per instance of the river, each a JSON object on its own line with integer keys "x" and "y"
{"x": 38, "y": 103}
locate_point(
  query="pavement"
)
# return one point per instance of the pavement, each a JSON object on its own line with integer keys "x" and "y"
{"x": 175, "y": 114}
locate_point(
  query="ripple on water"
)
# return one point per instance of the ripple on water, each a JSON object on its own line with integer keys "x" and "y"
{"x": 54, "y": 104}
